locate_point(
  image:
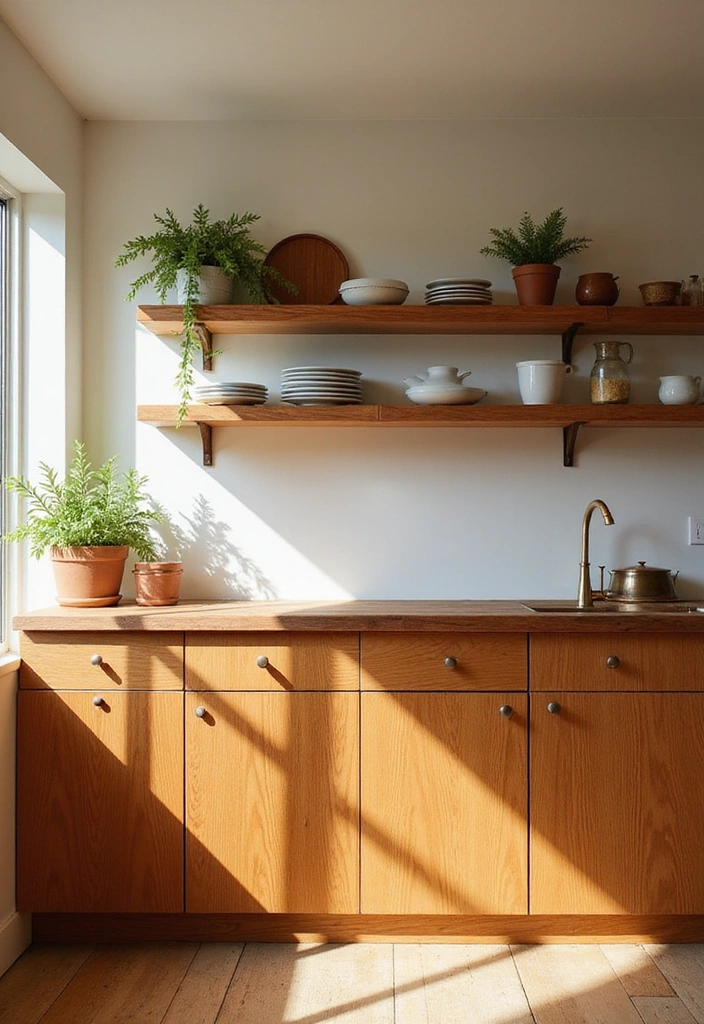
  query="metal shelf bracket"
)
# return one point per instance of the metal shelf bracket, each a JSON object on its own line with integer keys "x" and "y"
{"x": 569, "y": 439}
{"x": 568, "y": 337}
{"x": 206, "y": 438}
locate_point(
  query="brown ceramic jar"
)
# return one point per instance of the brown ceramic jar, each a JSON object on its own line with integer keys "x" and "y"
{"x": 596, "y": 290}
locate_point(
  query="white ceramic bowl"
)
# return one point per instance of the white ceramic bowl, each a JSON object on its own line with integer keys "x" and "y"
{"x": 374, "y": 291}
{"x": 453, "y": 395}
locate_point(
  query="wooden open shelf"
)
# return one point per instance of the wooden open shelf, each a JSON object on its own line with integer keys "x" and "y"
{"x": 566, "y": 321}
{"x": 569, "y": 417}
{"x": 342, "y": 319}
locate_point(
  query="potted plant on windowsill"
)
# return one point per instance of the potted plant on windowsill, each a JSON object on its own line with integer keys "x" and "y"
{"x": 89, "y": 522}
{"x": 203, "y": 261}
{"x": 533, "y": 251}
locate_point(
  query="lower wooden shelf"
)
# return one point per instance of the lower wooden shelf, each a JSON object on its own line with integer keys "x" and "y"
{"x": 571, "y": 418}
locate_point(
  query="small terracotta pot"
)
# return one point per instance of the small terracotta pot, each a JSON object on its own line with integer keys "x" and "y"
{"x": 536, "y": 283}
{"x": 596, "y": 289}
{"x": 88, "y": 577}
{"x": 157, "y": 583}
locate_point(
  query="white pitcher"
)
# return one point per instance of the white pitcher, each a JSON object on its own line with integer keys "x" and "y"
{"x": 679, "y": 390}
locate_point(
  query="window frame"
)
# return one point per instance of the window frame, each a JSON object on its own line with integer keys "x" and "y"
{"x": 11, "y": 575}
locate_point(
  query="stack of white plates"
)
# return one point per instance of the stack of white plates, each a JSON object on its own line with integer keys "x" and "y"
{"x": 235, "y": 392}
{"x": 321, "y": 385}
{"x": 458, "y": 291}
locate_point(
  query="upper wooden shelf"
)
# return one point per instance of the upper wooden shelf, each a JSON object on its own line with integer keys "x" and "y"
{"x": 341, "y": 319}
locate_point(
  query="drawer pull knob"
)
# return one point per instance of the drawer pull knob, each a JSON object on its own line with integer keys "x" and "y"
{"x": 612, "y": 661}
{"x": 450, "y": 662}
{"x": 262, "y": 661}
{"x": 506, "y": 710}
{"x": 200, "y": 711}
{"x": 554, "y": 708}
{"x": 98, "y": 701}
{"x": 97, "y": 660}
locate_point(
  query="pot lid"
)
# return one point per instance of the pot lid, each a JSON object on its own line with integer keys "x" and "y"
{"x": 641, "y": 567}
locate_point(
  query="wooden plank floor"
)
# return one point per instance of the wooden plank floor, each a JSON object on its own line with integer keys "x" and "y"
{"x": 365, "y": 983}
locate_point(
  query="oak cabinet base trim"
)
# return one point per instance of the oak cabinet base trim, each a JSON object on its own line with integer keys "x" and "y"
{"x": 366, "y": 928}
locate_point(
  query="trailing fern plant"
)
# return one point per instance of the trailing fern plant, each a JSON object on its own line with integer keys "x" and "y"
{"x": 534, "y": 243}
{"x": 226, "y": 244}
{"x": 93, "y": 507}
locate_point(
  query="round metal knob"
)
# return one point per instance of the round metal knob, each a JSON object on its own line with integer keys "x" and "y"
{"x": 612, "y": 661}
{"x": 200, "y": 711}
{"x": 262, "y": 661}
{"x": 96, "y": 659}
{"x": 450, "y": 662}
{"x": 98, "y": 701}
{"x": 554, "y": 708}
{"x": 506, "y": 710}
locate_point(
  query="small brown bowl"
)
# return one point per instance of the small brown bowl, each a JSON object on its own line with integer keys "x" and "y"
{"x": 660, "y": 293}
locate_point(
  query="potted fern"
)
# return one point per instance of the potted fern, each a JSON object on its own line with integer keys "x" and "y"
{"x": 533, "y": 251}
{"x": 203, "y": 260}
{"x": 89, "y": 522}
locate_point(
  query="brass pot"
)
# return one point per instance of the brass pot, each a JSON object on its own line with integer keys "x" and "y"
{"x": 641, "y": 583}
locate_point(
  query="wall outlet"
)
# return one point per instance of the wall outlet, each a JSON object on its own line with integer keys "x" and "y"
{"x": 695, "y": 526}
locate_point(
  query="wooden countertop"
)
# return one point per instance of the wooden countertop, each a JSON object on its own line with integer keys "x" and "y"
{"x": 361, "y": 616}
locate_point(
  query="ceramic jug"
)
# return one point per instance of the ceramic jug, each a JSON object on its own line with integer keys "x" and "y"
{"x": 596, "y": 290}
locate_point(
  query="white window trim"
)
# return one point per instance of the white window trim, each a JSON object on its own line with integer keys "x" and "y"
{"x": 11, "y": 458}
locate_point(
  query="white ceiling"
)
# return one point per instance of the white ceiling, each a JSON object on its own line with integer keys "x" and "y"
{"x": 291, "y": 59}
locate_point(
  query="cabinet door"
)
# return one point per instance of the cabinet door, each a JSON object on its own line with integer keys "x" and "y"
{"x": 272, "y": 802}
{"x": 617, "y": 803}
{"x": 100, "y": 802}
{"x": 444, "y": 800}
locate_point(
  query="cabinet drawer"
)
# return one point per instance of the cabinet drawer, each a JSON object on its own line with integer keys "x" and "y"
{"x": 444, "y": 661}
{"x": 272, "y": 661}
{"x": 130, "y": 661}
{"x": 617, "y": 661}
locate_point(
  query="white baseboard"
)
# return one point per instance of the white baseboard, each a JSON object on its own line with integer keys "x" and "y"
{"x": 15, "y": 936}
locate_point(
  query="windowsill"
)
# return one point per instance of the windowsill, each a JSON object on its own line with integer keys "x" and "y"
{"x": 9, "y": 663}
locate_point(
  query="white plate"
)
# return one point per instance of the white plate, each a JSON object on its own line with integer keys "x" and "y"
{"x": 322, "y": 401}
{"x": 459, "y": 293}
{"x": 228, "y": 391}
{"x": 290, "y": 395}
{"x": 459, "y": 302}
{"x": 232, "y": 400}
{"x": 321, "y": 369}
{"x": 230, "y": 384}
{"x": 458, "y": 280}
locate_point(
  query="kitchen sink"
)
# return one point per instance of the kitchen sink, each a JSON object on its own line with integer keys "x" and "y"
{"x": 611, "y": 607}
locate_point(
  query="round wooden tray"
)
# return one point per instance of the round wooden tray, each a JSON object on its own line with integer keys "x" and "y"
{"x": 314, "y": 264}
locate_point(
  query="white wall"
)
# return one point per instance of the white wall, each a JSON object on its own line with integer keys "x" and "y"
{"x": 41, "y": 156}
{"x": 403, "y": 514}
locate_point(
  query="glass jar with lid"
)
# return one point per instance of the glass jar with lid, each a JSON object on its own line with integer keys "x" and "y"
{"x": 610, "y": 379}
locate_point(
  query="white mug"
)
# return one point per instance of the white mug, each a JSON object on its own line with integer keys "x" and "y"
{"x": 679, "y": 390}
{"x": 540, "y": 380}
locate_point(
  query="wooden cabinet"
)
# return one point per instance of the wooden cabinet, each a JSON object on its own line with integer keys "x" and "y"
{"x": 272, "y": 661}
{"x": 617, "y": 778}
{"x": 100, "y": 802}
{"x": 444, "y": 774}
{"x": 100, "y": 773}
{"x": 444, "y": 804}
{"x": 272, "y": 786}
{"x": 102, "y": 661}
{"x": 444, "y": 661}
{"x": 616, "y": 661}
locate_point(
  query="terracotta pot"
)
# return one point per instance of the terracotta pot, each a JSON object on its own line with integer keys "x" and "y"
{"x": 157, "y": 583}
{"x": 596, "y": 289}
{"x": 536, "y": 283}
{"x": 88, "y": 577}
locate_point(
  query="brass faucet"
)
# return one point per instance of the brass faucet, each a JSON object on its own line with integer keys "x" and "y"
{"x": 585, "y": 595}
